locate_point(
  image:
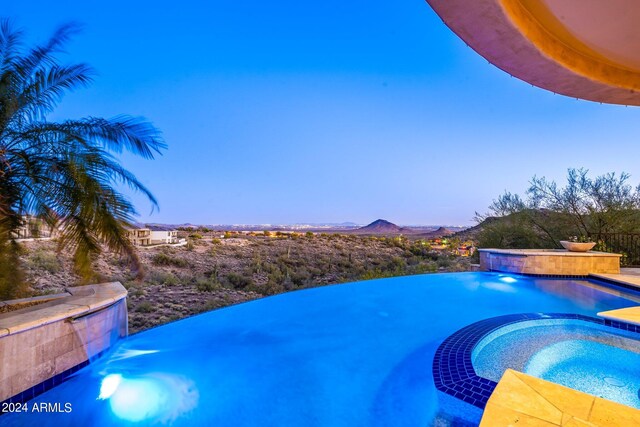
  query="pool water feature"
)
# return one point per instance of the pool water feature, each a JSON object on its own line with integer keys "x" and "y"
{"x": 356, "y": 354}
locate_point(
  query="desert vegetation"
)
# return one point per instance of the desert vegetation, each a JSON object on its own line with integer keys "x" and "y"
{"x": 215, "y": 272}
{"x": 585, "y": 208}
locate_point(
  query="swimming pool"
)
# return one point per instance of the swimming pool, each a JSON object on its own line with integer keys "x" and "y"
{"x": 356, "y": 354}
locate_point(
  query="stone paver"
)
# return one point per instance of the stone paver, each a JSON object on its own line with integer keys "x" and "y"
{"x": 523, "y": 400}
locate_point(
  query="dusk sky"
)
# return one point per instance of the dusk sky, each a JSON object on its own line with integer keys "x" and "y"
{"x": 288, "y": 111}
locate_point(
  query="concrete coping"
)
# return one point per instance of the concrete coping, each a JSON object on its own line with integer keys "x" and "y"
{"x": 77, "y": 301}
{"x": 530, "y": 401}
{"x": 548, "y": 252}
{"x": 41, "y": 298}
{"x": 627, "y": 315}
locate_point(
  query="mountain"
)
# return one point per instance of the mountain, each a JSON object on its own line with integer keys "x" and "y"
{"x": 436, "y": 234}
{"x": 472, "y": 233}
{"x": 381, "y": 226}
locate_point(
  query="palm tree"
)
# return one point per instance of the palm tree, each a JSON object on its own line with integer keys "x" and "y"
{"x": 63, "y": 172}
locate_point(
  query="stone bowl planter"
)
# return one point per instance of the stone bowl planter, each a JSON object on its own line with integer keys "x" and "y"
{"x": 577, "y": 246}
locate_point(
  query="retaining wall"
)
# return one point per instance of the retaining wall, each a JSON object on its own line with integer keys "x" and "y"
{"x": 41, "y": 344}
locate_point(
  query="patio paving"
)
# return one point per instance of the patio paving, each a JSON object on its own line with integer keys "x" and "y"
{"x": 523, "y": 400}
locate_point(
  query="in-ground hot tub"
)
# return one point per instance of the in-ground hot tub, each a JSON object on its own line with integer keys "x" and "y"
{"x": 578, "y": 353}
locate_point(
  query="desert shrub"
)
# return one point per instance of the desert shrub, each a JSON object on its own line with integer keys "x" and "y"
{"x": 300, "y": 278}
{"x": 145, "y": 307}
{"x": 135, "y": 291}
{"x": 419, "y": 249}
{"x": 238, "y": 281}
{"x": 195, "y": 236}
{"x": 212, "y": 304}
{"x": 44, "y": 260}
{"x": 426, "y": 267}
{"x": 272, "y": 288}
{"x": 189, "y": 246}
{"x": 21, "y": 249}
{"x": 207, "y": 284}
{"x": 314, "y": 271}
{"x": 213, "y": 272}
{"x": 397, "y": 263}
{"x": 459, "y": 265}
{"x": 375, "y": 261}
{"x": 376, "y": 273}
{"x": 285, "y": 261}
{"x": 165, "y": 259}
{"x": 121, "y": 261}
{"x": 344, "y": 263}
{"x": 444, "y": 261}
{"x": 216, "y": 241}
{"x": 128, "y": 284}
{"x": 412, "y": 260}
{"x": 256, "y": 264}
{"x": 158, "y": 277}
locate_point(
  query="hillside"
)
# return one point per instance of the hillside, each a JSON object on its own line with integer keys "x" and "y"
{"x": 472, "y": 233}
{"x": 210, "y": 273}
{"x": 436, "y": 234}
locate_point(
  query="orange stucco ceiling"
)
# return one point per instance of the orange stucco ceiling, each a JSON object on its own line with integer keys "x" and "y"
{"x": 587, "y": 49}
{"x": 609, "y": 29}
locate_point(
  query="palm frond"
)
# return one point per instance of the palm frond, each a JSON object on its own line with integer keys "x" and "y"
{"x": 47, "y": 87}
{"x": 44, "y": 55}
{"x": 10, "y": 43}
{"x": 64, "y": 172}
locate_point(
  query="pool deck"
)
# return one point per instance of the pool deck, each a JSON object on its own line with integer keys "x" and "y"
{"x": 629, "y": 277}
{"x": 522, "y": 400}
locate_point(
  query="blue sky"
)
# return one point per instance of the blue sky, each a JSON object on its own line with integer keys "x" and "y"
{"x": 286, "y": 111}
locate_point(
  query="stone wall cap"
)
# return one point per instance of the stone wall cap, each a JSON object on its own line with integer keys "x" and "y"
{"x": 548, "y": 252}
{"x": 34, "y": 299}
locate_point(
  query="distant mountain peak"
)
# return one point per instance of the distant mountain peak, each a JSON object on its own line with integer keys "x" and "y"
{"x": 444, "y": 230}
{"x": 382, "y": 226}
{"x": 381, "y": 221}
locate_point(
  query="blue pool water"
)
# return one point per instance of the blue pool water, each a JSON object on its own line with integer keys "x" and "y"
{"x": 357, "y": 354}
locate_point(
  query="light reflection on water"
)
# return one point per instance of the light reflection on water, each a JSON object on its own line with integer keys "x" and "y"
{"x": 153, "y": 396}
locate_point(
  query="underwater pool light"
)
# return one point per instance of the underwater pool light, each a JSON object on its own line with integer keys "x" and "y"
{"x": 109, "y": 385}
{"x": 139, "y": 399}
{"x": 508, "y": 279}
{"x": 153, "y": 396}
